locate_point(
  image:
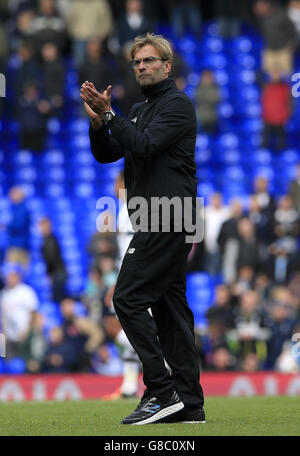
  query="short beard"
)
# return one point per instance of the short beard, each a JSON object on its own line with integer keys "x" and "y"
{"x": 145, "y": 85}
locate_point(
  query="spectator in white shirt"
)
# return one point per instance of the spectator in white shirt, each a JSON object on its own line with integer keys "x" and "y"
{"x": 17, "y": 302}
{"x": 125, "y": 230}
{"x": 215, "y": 215}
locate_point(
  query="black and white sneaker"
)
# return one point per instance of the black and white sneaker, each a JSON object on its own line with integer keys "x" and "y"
{"x": 152, "y": 409}
{"x": 186, "y": 415}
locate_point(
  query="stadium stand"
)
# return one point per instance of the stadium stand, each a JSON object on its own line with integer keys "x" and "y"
{"x": 63, "y": 182}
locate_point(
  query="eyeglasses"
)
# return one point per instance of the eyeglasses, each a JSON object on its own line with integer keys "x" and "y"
{"x": 147, "y": 61}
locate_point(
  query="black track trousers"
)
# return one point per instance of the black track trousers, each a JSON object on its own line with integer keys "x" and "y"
{"x": 153, "y": 275}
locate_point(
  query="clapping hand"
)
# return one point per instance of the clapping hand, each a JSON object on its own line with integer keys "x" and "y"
{"x": 95, "y": 103}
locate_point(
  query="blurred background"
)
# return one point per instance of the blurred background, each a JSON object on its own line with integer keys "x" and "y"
{"x": 235, "y": 61}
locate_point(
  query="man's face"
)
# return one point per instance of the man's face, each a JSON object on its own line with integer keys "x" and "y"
{"x": 261, "y": 184}
{"x": 45, "y": 227}
{"x": 16, "y": 195}
{"x": 67, "y": 308}
{"x": 150, "y": 74}
{"x": 12, "y": 279}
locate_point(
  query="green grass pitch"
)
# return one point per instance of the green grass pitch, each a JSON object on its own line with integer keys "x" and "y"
{"x": 248, "y": 416}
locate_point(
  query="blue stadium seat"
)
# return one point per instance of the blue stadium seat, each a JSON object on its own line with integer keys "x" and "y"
{"x": 23, "y": 157}
{"x": 75, "y": 285}
{"x": 112, "y": 170}
{"x": 201, "y": 298}
{"x": 202, "y": 141}
{"x": 54, "y": 126}
{"x": 83, "y": 174}
{"x": 250, "y": 94}
{"x": 61, "y": 204}
{"x": 228, "y": 141}
{"x": 54, "y": 157}
{"x": 254, "y": 140}
{"x": 28, "y": 188}
{"x": 54, "y": 190}
{"x": 25, "y": 174}
{"x": 39, "y": 283}
{"x": 4, "y": 211}
{"x": 187, "y": 46}
{"x": 15, "y": 366}
{"x": 200, "y": 320}
{"x": 80, "y": 141}
{"x": 51, "y": 322}
{"x": 253, "y": 125}
{"x": 243, "y": 77}
{"x": 105, "y": 189}
{"x": 72, "y": 78}
{"x": 233, "y": 174}
{"x": 241, "y": 44}
{"x": 49, "y": 309}
{"x": 200, "y": 293}
{"x": 214, "y": 61}
{"x": 83, "y": 157}
{"x": 83, "y": 190}
{"x": 63, "y": 231}
{"x": 75, "y": 268}
{"x": 252, "y": 110}
{"x": 205, "y": 189}
{"x": 193, "y": 79}
{"x": 68, "y": 240}
{"x": 225, "y": 110}
{"x": 231, "y": 157}
{"x": 2, "y": 178}
{"x": 54, "y": 174}
{"x": 287, "y": 173}
{"x": 71, "y": 255}
{"x": 198, "y": 279}
{"x": 35, "y": 204}
{"x": 202, "y": 156}
{"x": 211, "y": 29}
{"x": 205, "y": 174}
{"x": 38, "y": 268}
{"x": 213, "y": 44}
{"x": 221, "y": 77}
{"x": 2, "y": 366}
{"x": 78, "y": 126}
{"x": 243, "y": 61}
{"x": 290, "y": 157}
{"x": 266, "y": 171}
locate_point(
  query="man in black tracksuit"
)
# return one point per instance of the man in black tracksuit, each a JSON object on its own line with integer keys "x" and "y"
{"x": 158, "y": 144}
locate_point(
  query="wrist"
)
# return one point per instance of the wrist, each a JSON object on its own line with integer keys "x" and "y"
{"x": 96, "y": 123}
{"x": 108, "y": 115}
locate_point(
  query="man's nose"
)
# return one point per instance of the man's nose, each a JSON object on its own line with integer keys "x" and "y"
{"x": 142, "y": 65}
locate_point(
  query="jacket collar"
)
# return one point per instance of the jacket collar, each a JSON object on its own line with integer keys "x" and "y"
{"x": 158, "y": 89}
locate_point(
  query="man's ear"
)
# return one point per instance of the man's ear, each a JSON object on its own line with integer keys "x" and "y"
{"x": 168, "y": 66}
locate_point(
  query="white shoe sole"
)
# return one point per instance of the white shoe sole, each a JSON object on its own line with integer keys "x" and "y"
{"x": 162, "y": 414}
{"x": 191, "y": 422}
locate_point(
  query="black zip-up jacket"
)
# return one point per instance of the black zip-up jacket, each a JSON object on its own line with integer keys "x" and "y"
{"x": 158, "y": 143}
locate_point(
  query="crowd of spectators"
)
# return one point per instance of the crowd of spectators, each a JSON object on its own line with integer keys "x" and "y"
{"x": 255, "y": 251}
{"x": 250, "y": 250}
{"x": 40, "y": 37}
